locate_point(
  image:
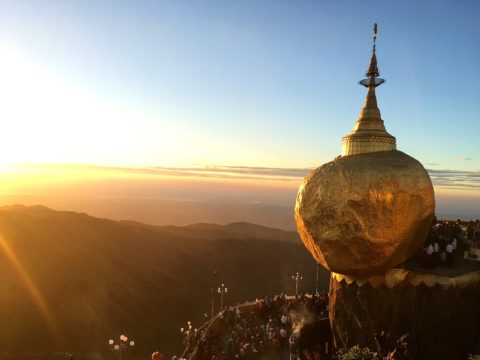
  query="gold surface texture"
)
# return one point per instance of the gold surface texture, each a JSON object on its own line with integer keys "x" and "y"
{"x": 369, "y": 133}
{"x": 364, "y": 214}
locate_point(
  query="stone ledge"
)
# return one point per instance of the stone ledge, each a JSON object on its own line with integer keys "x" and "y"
{"x": 396, "y": 277}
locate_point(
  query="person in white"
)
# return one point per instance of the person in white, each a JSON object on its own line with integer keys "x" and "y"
{"x": 429, "y": 249}
{"x": 449, "y": 259}
{"x": 436, "y": 255}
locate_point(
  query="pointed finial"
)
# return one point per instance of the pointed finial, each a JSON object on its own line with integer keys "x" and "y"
{"x": 372, "y": 72}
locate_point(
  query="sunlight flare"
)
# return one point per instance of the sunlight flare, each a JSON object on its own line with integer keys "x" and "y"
{"x": 30, "y": 287}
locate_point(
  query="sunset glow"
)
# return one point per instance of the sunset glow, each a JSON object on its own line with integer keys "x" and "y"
{"x": 166, "y": 118}
{"x": 155, "y": 154}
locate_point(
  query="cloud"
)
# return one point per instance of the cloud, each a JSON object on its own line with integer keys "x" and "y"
{"x": 463, "y": 158}
{"x": 451, "y": 179}
{"x": 447, "y": 179}
{"x": 232, "y": 172}
{"x": 216, "y": 171}
{"x": 455, "y": 179}
{"x": 441, "y": 178}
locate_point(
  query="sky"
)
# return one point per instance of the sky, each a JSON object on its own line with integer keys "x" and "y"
{"x": 255, "y": 84}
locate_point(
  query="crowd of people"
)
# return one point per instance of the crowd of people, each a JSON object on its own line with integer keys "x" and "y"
{"x": 271, "y": 328}
{"x": 297, "y": 328}
{"x": 446, "y": 239}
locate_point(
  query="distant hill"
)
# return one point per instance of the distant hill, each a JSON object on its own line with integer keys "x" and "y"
{"x": 93, "y": 279}
{"x": 238, "y": 230}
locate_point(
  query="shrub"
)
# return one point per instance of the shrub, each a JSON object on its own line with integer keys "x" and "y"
{"x": 354, "y": 353}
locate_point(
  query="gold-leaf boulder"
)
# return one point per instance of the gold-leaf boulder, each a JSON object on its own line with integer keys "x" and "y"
{"x": 366, "y": 213}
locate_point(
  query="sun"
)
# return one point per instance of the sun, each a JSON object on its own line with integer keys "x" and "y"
{"x": 49, "y": 117}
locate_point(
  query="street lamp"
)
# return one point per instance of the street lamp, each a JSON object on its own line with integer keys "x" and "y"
{"x": 222, "y": 290}
{"x": 122, "y": 347}
{"x": 297, "y": 278}
{"x": 214, "y": 281}
{"x": 188, "y": 329}
{"x": 189, "y": 335}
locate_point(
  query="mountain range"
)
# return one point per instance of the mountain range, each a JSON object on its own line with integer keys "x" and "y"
{"x": 69, "y": 281}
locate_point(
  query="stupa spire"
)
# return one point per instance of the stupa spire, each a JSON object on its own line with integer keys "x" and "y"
{"x": 373, "y": 68}
{"x": 369, "y": 133}
{"x": 370, "y": 109}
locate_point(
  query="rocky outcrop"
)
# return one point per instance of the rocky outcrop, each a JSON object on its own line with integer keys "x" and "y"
{"x": 364, "y": 214}
{"x": 442, "y": 321}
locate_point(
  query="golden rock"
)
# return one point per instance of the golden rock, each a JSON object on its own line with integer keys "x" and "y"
{"x": 366, "y": 213}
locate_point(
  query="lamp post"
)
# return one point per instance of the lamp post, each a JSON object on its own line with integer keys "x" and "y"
{"x": 122, "y": 347}
{"x": 222, "y": 290}
{"x": 297, "y": 278}
{"x": 316, "y": 281}
{"x": 189, "y": 334}
{"x": 214, "y": 280}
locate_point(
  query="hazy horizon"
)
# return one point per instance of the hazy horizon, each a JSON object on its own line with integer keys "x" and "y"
{"x": 181, "y": 196}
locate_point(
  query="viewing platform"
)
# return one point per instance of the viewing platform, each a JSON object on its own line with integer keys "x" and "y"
{"x": 265, "y": 328}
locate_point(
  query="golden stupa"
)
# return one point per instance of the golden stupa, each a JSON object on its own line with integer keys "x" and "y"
{"x": 369, "y": 133}
{"x": 370, "y": 209}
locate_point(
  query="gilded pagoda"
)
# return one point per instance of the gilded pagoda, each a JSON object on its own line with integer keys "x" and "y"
{"x": 369, "y": 133}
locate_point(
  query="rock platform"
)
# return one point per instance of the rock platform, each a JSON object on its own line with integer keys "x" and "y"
{"x": 439, "y": 309}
